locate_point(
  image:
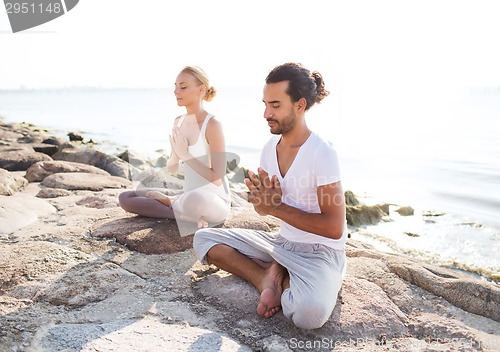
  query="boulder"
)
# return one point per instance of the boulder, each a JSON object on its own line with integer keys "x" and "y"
{"x": 11, "y": 183}
{"x": 110, "y": 163}
{"x": 160, "y": 236}
{"x": 144, "y": 235}
{"x": 53, "y": 141}
{"x": 358, "y": 215}
{"x": 84, "y": 181}
{"x": 75, "y": 137}
{"x": 405, "y": 211}
{"x": 38, "y": 171}
{"x": 350, "y": 198}
{"x": 474, "y": 296}
{"x": 20, "y": 158}
{"x": 8, "y": 133}
{"x": 134, "y": 158}
{"x": 48, "y": 149}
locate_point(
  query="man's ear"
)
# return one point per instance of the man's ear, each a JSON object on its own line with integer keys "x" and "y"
{"x": 301, "y": 104}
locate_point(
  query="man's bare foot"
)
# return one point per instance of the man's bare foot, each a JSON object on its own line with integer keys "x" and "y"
{"x": 271, "y": 290}
{"x": 160, "y": 197}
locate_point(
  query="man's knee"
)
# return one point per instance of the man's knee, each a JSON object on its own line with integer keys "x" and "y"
{"x": 311, "y": 314}
{"x": 200, "y": 237}
{"x": 203, "y": 240}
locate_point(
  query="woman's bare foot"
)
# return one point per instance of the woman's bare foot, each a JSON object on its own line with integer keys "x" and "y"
{"x": 202, "y": 223}
{"x": 271, "y": 290}
{"x": 160, "y": 197}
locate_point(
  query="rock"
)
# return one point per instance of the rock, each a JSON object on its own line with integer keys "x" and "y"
{"x": 8, "y": 133}
{"x": 144, "y": 235}
{"x": 350, "y": 198}
{"x": 19, "y": 158}
{"x": 159, "y": 236}
{"x": 148, "y": 334}
{"x": 405, "y": 211}
{"x": 52, "y": 193}
{"x": 231, "y": 291}
{"x": 26, "y": 261}
{"x": 84, "y": 181}
{"x": 98, "y": 201}
{"x": 86, "y": 283}
{"x": 18, "y": 211}
{"x": 152, "y": 178}
{"x": 38, "y": 171}
{"x": 75, "y": 137}
{"x": 48, "y": 149}
{"x": 161, "y": 162}
{"x": 364, "y": 215}
{"x": 112, "y": 164}
{"x": 362, "y": 309}
{"x": 472, "y": 295}
{"x": 238, "y": 175}
{"x": 11, "y": 183}
{"x": 53, "y": 141}
{"x": 134, "y": 158}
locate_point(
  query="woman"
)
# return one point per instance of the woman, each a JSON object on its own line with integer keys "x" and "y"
{"x": 197, "y": 142}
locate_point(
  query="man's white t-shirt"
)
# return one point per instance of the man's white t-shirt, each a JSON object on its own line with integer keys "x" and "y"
{"x": 316, "y": 164}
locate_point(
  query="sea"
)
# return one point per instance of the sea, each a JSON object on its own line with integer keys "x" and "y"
{"x": 439, "y": 155}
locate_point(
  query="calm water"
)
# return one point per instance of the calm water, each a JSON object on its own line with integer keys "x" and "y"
{"x": 444, "y": 158}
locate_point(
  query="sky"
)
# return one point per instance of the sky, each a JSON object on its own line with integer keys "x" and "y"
{"x": 363, "y": 46}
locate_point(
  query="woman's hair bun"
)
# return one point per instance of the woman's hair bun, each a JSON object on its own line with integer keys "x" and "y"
{"x": 210, "y": 94}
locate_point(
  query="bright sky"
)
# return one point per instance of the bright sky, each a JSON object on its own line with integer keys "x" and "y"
{"x": 367, "y": 46}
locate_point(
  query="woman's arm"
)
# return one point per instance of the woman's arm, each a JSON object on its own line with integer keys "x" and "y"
{"x": 217, "y": 148}
{"x": 173, "y": 163}
{"x": 173, "y": 160}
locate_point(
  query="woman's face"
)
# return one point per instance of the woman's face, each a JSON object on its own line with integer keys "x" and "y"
{"x": 188, "y": 90}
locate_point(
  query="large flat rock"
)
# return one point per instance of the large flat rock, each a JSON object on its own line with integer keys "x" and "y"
{"x": 84, "y": 181}
{"x": 20, "y": 210}
{"x": 148, "y": 334}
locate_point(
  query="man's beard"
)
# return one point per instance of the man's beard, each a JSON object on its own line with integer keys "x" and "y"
{"x": 284, "y": 126}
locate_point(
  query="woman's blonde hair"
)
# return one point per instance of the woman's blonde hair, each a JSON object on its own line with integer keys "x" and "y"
{"x": 202, "y": 78}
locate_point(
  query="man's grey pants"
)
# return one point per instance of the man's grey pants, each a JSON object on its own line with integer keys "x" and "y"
{"x": 315, "y": 270}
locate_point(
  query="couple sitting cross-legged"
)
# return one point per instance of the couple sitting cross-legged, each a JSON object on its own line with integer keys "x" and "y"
{"x": 299, "y": 269}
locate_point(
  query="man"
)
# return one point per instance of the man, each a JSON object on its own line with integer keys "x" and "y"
{"x": 299, "y": 269}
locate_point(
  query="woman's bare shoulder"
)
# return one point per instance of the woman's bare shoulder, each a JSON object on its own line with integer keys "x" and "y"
{"x": 214, "y": 123}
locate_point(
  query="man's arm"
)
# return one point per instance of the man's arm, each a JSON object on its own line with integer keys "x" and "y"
{"x": 265, "y": 195}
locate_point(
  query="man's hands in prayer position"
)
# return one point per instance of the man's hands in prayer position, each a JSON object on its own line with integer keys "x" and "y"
{"x": 265, "y": 193}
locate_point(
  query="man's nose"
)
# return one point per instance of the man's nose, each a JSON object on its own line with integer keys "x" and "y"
{"x": 267, "y": 113}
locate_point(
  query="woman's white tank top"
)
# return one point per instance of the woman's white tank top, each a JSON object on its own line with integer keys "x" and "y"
{"x": 201, "y": 151}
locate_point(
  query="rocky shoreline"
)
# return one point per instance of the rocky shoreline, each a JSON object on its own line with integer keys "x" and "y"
{"x": 77, "y": 273}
